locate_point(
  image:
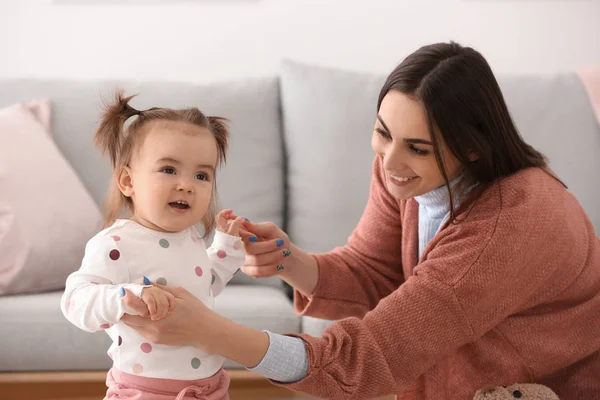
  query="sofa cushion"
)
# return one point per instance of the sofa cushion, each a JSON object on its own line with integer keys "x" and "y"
{"x": 46, "y": 214}
{"x": 328, "y": 122}
{"x": 252, "y": 181}
{"x": 37, "y": 337}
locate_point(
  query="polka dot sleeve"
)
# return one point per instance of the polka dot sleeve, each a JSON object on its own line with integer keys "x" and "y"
{"x": 93, "y": 297}
{"x": 227, "y": 256}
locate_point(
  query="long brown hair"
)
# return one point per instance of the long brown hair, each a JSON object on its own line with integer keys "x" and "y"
{"x": 119, "y": 142}
{"x": 463, "y": 100}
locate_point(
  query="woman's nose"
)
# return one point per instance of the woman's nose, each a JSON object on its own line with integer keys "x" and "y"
{"x": 392, "y": 159}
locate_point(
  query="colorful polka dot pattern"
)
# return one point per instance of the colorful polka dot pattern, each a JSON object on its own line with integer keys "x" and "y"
{"x": 114, "y": 255}
{"x": 146, "y": 347}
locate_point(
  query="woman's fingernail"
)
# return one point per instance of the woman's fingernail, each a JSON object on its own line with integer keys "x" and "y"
{"x": 253, "y": 238}
{"x": 123, "y": 292}
{"x": 147, "y": 281}
{"x": 279, "y": 242}
{"x": 280, "y": 267}
{"x": 287, "y": 252}
{"x": 246, "y": 219}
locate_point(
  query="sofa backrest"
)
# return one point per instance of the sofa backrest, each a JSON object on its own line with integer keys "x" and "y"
{"x": 328, "y": 122}
{"x": 252, "y": 182}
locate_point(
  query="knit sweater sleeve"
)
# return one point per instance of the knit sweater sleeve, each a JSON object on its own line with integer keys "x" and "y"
{"x": 498, "y": 262}
{"x": 353, "y": 278}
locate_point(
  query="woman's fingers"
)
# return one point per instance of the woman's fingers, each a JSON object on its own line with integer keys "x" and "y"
{"x": 171, "y": 300}
{"x": 255, "y": 247}
{"x": 274, "y": 257}
{"x": 266, "y": 230}
{"x": 162, "y": 306}
{"x": 266, "y": 264}
{"x": 176, "y": 291}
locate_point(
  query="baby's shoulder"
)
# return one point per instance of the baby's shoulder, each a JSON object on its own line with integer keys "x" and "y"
{"x": 108, "y": 237}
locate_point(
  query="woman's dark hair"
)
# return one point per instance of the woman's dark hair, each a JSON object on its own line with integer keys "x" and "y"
{"x": 464, "y": 104}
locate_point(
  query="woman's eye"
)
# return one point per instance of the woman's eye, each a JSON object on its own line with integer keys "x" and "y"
{"x": 168, "y": 170}
{"x": 202, "y": 176}
{"x": 418, "y": 151}
{"x": 383, "y": 133}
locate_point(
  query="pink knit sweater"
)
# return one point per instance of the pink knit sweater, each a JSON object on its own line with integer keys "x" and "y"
{"x": 509, "y": 294}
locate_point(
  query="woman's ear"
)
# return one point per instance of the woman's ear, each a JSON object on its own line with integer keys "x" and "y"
{"x": 125, "y": 182}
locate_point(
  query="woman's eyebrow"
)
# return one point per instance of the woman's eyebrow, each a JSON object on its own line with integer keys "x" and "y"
{"x": 413, "y": 141}
{"x": 383, "y": 124}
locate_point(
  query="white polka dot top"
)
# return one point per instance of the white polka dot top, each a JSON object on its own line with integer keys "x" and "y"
{"x": 119, "y": 258}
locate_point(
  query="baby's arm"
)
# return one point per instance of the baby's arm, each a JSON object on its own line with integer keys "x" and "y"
{"x": 226, "y": 252}
{"x": 93, "y": 298}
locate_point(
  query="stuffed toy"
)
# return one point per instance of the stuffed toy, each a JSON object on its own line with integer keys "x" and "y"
{"x": 525, "y": 391}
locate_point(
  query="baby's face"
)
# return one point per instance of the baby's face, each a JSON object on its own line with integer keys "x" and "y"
{"x": 172, "y": 175}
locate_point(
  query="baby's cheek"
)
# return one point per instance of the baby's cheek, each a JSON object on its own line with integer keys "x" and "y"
{"x": 203, "y": 202}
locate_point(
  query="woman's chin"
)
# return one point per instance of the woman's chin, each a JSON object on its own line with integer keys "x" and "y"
{"x": 399, "y": 193}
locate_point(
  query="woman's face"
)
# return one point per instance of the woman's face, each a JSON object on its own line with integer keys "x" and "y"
{"x": 401, "y": 137}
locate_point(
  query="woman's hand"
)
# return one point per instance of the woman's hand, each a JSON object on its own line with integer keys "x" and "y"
{"x": 267, "y": 248}
{"x": 189, "y": 323}
{"x": 269, "y": 252}
{"x": 192, "y": 323}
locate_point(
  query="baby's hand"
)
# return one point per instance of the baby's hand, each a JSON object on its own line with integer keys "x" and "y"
{"x": 228, "y": 222}
{"x": 158, "y": 301}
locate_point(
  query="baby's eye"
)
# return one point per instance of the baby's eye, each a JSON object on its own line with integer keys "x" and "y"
{"x": 202, "y": 176}
{"x": 168, "y": 170}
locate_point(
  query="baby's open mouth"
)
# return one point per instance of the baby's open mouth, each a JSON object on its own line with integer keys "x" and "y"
{"x": 180, "y": 204}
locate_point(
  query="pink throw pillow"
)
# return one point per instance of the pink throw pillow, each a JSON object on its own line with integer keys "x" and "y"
{"x": 46, "y": 215}
{"x": 591, "y": 80}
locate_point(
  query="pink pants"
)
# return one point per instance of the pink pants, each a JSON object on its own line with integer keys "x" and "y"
{"x": 124, "y": 386}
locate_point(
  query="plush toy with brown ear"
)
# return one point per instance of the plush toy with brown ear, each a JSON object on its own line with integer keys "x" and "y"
{"x": 525, "y": 391}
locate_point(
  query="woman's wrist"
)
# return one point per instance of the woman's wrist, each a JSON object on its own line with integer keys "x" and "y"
{"x": 233, "y": 341}
{"x": 301, "y": 270}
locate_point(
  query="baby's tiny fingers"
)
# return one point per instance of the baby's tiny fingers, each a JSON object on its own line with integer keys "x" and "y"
{"x": 234, "y": 227}
{"x": 135, "y": 303}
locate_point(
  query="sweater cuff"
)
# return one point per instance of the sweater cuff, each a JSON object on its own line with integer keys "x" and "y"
{"x": 286, "y": 359}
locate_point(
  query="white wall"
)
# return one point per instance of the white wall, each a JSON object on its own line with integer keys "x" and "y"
{"x": 207, "y": 40}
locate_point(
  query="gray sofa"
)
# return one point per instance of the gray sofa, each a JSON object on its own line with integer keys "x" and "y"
{"x": 300, "y": 157}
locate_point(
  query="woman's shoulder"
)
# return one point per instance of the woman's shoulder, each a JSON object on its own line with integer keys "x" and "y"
{"x": 532, "y": 190}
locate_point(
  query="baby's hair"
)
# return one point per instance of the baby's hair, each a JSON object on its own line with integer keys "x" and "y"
{"x": 119, "y": 142}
